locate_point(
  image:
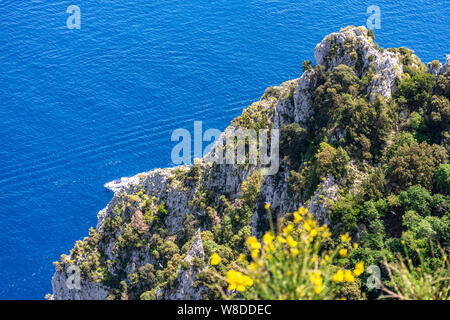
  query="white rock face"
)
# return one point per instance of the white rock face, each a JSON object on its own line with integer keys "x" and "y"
{"x": 323, "y": 198}
{"x": 353, "y": 47}
{"x": 88, "y": 291}
{"x": 446, "y": 65}
{"x": 298, "y": 106}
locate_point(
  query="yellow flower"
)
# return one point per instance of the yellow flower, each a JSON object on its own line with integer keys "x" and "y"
{"x": 302, "y": 211}
{"x": 313, "y": 233}
{"x": 255, "y": 253}
{"x": 294, "y": 252}
{"x": 355, "y": 245}
{"x": 281, "y": 239}
{"x": 215, "y": 259}
{"x": 238, "y": 281}
{"x": 359, "y": 268}
{"x": 297, "y": 217}
{"x": 316, "y": 279}
{"x": 346, "y": 238}
{"x": 348, "y": 276}
{"x": 268, "y": 238}
{"x": 288, "y": 229}
{"x": 291, "y": 242}
{"x": 267, "y": 206}
{"x": 268, "y": 242}
{"x": 253, "y": 243}
{"x": 327, "y": 257}
{"x": 307, "y": 226}
{"x": 343, "y": 253}
{"x": 318, "y": 289}
{"x": 253, "y": 266}
{"x": 240, "y": 288}
{"x": 338, "y": 276}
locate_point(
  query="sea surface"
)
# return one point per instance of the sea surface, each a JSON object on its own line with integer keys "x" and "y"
{"x": 79, "y": 108}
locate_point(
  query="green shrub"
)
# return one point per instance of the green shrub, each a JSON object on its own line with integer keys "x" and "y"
{"x": 293, "y": 144}
{"x": 306, "y": 65}
{"x": 416, "y": 164}
{"x": 418, "y": 199}
{"x": 416, "y": 91}
{"x": 442, "y": 177}
{"x": 374, "y": 186}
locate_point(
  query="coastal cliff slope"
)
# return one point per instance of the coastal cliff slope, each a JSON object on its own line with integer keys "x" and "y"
{"x": 154, "y": 239}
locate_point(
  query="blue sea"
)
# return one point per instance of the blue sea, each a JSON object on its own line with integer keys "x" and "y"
{"x": 79, "y": 108}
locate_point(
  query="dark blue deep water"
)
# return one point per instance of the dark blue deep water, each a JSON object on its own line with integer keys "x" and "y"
{"x": 79, "y": 108}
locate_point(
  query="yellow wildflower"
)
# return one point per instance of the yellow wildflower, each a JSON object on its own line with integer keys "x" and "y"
{"x": 348, "y": 276}
{"x": 307, "y": 226}
{"x": 313, "y": 233}
{"x": 215, "y": 259}
{"x": 294, "y": 252}
{"x": 302, "y": 211}
{"x": 359, "y": 268}
{"x": 297, "y": 217}
{"x": 253, "y": 243}
{"x": 316, "y": 279}
{"x": 318, "y": 289}
{"x": 267, "y": 206}
{"x": 343, "y": 253}
{"x": 338, "y": 276}
{"x": 346, "y": 238}
{"x": 237, "y": 281}
{"x": 355, "y": 245}
{"x": 281, "y": 239}
{"x": 268, "y": 238}
{"x": 268, "y": 242}
{"x": 288, "y": 229}
{"x": 291, "y": 242}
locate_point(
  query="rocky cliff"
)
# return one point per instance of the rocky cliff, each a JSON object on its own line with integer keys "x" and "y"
{"x": 154, "y": 238}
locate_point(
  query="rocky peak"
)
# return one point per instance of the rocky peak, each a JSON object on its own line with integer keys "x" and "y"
{"x": 354, "y": 47}
{"x": 436, "y": 68}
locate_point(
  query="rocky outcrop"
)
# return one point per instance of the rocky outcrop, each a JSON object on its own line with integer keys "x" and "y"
{"x": 86, "y": 291}
{"x": 353, "y": 47}
{"x": 436, "y": 68}
{"x": 323, "y": 199}
{"x": 186, "y": 288}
